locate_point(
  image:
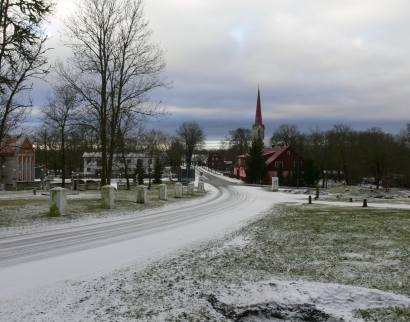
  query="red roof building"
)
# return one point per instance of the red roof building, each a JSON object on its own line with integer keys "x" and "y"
{"x": 275, "y": 158}
{"x": 215, "y": 161}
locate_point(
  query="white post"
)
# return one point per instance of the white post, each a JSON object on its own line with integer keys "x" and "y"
{"x": 191, "y": 188}
{"x": 107, "y": 197}
{"x": 58, "y": 201}
{"x": 162, "y": 192}
{"x": 178, "y": 190}
{"x": 142, "y": 194}
{"x": 201, "y": 188}
{"x": 275, "y": 183}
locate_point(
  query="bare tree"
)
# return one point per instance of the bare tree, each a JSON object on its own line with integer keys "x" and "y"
{"x": 59, "y": 114}
{"x": 113, "y": 68}
{"x": 129, "y": 140}
{"x": 342, "y": 143}
{"x": 287, "y": 135}
{"x": 404, "y": 135}
{"x": 318, "y": 150}
{"x": 378, "y": 152}
{"x": 22, "y": 56}
{"x": 240, "y": 140}
{"x": 154, "y": 145}
{"x": 192, "y": 137}
{"x": 175, "y": 151}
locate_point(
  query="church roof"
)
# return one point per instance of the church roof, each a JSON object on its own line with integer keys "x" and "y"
{"x": 258, "y": 116}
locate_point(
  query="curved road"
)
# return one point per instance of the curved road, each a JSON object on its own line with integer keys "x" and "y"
{"x": 33, "y": 246}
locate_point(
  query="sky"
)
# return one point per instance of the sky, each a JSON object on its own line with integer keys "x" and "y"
{"x": 317, "y": 63}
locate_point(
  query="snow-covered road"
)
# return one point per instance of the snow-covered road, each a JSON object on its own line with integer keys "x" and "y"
{"x": 32, "y": 260}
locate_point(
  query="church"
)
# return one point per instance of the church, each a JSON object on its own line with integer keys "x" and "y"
{"x": 276, "y": 156}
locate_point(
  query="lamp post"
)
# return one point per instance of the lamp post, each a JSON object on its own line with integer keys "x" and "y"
{"x": 14, "y": 180}
{"x": 149, "y": 173}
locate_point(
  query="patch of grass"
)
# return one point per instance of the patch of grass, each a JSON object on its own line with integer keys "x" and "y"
{"x": 389, "y": 314}
{"x": 361, "y": 247}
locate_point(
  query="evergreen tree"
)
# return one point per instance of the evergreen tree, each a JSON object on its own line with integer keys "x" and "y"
{"x": 157, "y": 171}
{"x": 310, "y": 173}
{"x": 281, "y": 176}
{"x": 139, "y": 170}
{"x": 255, "y": 167}
{"x": 289, "y": 179}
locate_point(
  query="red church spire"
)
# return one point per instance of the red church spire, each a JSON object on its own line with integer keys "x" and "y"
{"x": 258, "y": 116}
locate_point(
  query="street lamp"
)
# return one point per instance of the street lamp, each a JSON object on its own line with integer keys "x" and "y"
{"x": 149, "y": 172}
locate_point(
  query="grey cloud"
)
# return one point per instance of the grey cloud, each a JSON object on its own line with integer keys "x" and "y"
{"x": 317, "y": 62}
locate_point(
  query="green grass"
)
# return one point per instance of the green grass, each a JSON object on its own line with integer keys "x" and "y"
{"x": 364, "y": 247}
{"x": 349, "y": 246}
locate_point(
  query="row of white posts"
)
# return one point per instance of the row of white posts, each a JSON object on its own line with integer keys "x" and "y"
{"x": 58, "y": 196}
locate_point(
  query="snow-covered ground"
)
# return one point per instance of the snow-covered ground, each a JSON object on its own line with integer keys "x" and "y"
{"x": 95, "y": 284}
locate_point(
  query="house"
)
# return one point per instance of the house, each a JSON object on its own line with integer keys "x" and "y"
{"x": 17, "y": 159}
{"x": 276, "y": 157}
{"x": 215, "y": 161}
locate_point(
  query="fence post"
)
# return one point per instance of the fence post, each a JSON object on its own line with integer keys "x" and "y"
{"x": 142, "y": 194}
{"x": 107, "y": 197}
{"x": 58, "y": 201}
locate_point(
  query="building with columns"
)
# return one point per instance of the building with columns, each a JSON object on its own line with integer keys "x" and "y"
{"x": 17, "y": 159}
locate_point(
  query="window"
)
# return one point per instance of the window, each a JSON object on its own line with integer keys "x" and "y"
{"x": 288, "y": 152}
{"x": 295, "y": 164}
{"x": 278, "y": 164}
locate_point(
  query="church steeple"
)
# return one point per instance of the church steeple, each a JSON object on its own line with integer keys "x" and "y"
{"x": 258, "y": 115}
{"x": 258, "y": 128}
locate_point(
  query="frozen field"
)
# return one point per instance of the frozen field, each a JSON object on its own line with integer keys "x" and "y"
{"x": 265, "y": 257}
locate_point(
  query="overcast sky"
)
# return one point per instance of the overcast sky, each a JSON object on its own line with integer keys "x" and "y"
{"x": 317, "y": 62}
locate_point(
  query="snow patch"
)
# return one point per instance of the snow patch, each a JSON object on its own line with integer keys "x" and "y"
{"x": 334, "y": 299}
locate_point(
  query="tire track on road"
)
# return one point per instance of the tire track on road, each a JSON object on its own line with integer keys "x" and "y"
{"x": 25, "y": 248}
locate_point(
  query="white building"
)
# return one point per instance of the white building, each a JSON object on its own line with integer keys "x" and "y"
{"x": 92, "y": 163}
